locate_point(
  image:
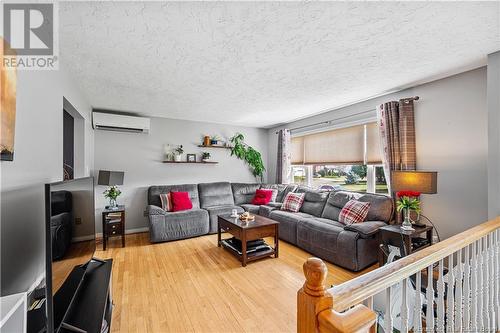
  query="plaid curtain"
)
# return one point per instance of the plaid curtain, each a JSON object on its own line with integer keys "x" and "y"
{"x": 396, "y": 123}
{"x": 284, "y": 158}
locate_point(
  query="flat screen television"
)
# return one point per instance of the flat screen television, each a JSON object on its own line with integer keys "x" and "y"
{"x": 70, "y": 243}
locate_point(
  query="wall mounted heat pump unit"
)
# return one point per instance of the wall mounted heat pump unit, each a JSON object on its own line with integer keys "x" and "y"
{"x": 120, "y": 123}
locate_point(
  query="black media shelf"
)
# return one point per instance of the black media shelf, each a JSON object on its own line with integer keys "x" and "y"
{"x": 92, "y": 303}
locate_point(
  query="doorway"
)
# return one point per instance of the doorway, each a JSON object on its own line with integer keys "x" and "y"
{"x": 68, "y": 146}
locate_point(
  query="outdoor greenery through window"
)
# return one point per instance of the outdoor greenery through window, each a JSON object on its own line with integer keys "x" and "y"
{"x": 347, "y": 158}
{"x": 360, "y": 178}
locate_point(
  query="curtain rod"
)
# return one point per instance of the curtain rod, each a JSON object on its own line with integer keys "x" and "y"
{"x": 328, "y": 122}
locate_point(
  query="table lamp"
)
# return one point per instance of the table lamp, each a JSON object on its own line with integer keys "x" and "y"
{"x": 111, "y": 179}
{"x": 424, "y": 182}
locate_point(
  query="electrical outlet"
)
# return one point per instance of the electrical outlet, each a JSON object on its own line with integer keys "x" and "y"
{"x": 78, "y": 220}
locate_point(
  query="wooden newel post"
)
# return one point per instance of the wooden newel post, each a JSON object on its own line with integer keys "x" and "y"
{"x": 312, "y": 298}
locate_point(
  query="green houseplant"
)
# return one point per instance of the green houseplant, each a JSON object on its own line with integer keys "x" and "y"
{"x": 248, "y": 154}
{"x": 205, "y": 156}
{"x": 112, "y": 194}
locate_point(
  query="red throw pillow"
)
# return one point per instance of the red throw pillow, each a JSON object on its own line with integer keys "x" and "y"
{"x": 181, "y": 201}
{"x": 262, "y": 197}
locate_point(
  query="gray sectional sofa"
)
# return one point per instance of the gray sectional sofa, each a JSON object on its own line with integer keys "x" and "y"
{"x": 315, "y": 228}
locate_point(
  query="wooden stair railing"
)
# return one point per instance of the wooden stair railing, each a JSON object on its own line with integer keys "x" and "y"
{"x": 463, "y": 291}
{"x": 314, "y": 306}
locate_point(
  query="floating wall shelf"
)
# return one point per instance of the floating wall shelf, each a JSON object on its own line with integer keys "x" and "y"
{"x": 185, "y": 162}
{"x": 215, "y": 146}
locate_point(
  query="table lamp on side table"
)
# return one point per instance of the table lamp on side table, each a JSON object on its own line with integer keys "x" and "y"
{"x": 111, "y": 179}
{"x": 423, "y": 182}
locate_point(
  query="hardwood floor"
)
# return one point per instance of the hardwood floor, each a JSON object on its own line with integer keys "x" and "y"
{"x": 194, "y": 286}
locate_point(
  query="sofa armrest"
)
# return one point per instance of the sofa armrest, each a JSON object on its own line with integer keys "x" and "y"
{"x": 155, "y": 210}
{"x": 365, "y": 229}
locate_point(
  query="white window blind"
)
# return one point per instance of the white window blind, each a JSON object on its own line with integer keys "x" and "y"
{"x": 340, "y": 146}
{"x": 373, "y": 151}
{"x": 298, "y": 150}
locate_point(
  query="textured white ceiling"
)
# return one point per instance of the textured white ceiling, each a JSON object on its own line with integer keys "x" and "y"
{"x": 264, "y": 63}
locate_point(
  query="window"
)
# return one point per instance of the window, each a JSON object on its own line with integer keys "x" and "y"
{"x": 359, "y": 178}
{"x": 347, "y": 158}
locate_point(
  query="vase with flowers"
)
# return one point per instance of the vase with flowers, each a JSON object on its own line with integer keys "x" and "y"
{"x": 112, "y": 193}
{"x": 406, "y": 203}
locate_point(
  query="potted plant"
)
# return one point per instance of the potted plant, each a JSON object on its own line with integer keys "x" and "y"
{"x": 407, "y": 202}
{"x": 112, "y": 194}
{"x": 205, "y": 156}
{"x": 214, "y": 139}
{"x": 248, "y": 154}
{"x": 178, "y": 153}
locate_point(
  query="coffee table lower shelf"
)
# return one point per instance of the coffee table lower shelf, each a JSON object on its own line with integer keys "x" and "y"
{"x": 250, "y": 256}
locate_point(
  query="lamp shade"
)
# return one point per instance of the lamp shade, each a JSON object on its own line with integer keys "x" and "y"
{"x": 110, "y": 178}
{"x": 420, "y": 181}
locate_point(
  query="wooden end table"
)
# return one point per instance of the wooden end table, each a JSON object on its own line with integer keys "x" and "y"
{"x": 407, "y": 238}
{"x": 247, "y": 231}
{"x": 113, "y": 224}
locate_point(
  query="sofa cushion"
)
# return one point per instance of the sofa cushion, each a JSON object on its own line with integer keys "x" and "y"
{"x": 314, "y": 202}
{"x": 166, "y": 226}
{"x": 381, "y": 207}
{"x": 155, "y": 191}
{"x": 214, "y": 211}
{"x": 265, "y": 210}
{"x": 215, "y": 194}
{"x": 254, "y": 209}
{"x": 335, "y": 202}
{"x": 288, "y": 223}
{"x": 243, "y": 193}
{"x": 328, "y": 221}
{"x": 320, "y": 237}
{"x": 366, "y": 229}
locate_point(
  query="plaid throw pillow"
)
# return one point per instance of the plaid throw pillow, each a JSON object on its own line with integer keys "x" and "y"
{"x": 354, "y": 211}
{"x": 293, "y": 202}
{"x": 166, "y": 202}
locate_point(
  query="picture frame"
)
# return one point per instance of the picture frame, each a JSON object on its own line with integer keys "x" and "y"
{"x": 191, "y": 158}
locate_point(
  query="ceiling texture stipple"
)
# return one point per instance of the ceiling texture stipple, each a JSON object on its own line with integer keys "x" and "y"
{"x": 265, "y": 63}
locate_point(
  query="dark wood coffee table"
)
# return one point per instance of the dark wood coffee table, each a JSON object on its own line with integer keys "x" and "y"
{"x": 247, "y": 231}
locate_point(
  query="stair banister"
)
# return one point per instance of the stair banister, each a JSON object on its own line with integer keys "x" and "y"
{"x": 324, "y": 310}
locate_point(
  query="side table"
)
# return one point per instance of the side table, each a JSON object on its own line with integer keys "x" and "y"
{"x": 408, "y": 240}
{"x": 113, "y": 224}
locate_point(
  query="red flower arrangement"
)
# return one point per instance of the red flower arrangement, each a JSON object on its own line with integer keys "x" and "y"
{"x": 409, "y": 194}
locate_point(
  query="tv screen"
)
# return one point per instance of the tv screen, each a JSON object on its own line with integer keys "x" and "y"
{"x": 70, "y": 243}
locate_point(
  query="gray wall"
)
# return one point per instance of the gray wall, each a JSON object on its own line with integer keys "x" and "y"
{"x": 37, "y": 160}
{"x": 141, "y": 155}
{"x": 451, "y": 131}
{"x": 494, "y": 135}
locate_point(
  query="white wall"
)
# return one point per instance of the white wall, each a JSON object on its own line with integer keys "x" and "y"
{"x": 494, "y": 135}
{"x": 141, "y": 155}
{"x": 451, "y": 133}
{"x": 37, "y": 160}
